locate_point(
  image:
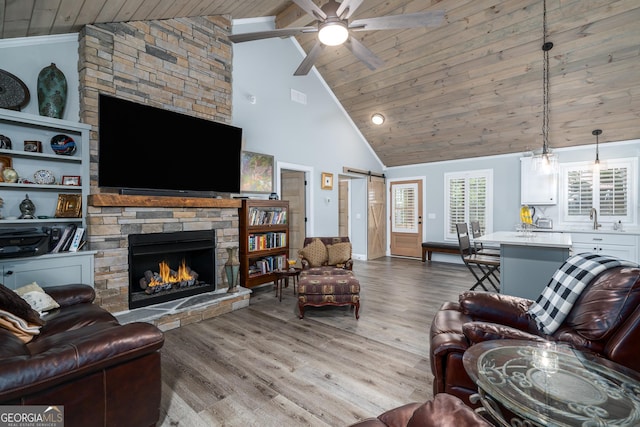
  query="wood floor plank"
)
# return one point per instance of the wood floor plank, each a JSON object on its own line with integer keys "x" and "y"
{"x": 263, "y": 366}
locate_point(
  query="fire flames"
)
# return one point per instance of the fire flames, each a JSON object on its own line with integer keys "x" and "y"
{"x": 166, "y": 275}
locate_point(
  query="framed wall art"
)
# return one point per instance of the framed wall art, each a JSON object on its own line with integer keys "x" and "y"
{"x": 327, "y": 181}
{"x": 70, "y": 180}
{"x": 69, "y": 206}
{"x": 256, "y": 172}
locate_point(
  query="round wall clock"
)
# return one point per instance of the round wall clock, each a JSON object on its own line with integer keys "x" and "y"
{"x": 14, "y": 94}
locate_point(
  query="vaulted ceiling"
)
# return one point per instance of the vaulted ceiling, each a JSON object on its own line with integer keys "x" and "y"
{"x": 472, "y": 86}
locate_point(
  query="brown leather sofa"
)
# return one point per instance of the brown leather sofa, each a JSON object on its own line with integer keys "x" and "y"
{"x": 103, "y": 373}
{"x": 604, "y": 320}
{"x": 443, "y": 411}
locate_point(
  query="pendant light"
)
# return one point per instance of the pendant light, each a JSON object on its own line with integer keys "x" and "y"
{"x": 546, "y": 162}
{"x": 596, "y": 163}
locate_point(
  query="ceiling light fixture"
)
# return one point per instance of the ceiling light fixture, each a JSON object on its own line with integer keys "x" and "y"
{"x": 333, "y": 33}
{"x": 545, "y": 162}
{"x": 596, "y": 163}
{"x": 377, "y": 119}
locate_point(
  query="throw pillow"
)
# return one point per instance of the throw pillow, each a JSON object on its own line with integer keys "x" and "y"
{"x": 14, "y": 304}
{"x": 315, "y": 252}
{"x": 37, "y": 298}
{"x": 557, "y": 298}
{"x": 22, "y": 329}
{"x": 339, "y": 253}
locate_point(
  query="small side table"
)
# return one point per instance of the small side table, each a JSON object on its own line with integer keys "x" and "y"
{"x": 282, "y": 278}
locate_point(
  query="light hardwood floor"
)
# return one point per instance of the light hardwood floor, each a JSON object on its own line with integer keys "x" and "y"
{"x": 263, "y": 366}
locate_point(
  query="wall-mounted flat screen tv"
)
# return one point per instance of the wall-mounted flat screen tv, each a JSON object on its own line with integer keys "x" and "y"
{"x": 144, "y": 149}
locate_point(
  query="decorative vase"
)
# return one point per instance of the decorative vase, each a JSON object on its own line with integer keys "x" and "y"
{"x": 232, "y": 269}
{"x": 52, "y": 92}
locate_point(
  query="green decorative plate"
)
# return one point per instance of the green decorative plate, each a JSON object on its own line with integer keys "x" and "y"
{"x": 14, "y": 94}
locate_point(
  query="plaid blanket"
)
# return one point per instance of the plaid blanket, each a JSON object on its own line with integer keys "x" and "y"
{"x": 557, "y": 298}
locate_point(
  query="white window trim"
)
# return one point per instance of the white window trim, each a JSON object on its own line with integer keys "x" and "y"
{"x": 485, "y": 173}
{"x": 632, "y": 185}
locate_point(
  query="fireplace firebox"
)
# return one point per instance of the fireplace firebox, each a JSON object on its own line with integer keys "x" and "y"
{"x": 169, "y": 266}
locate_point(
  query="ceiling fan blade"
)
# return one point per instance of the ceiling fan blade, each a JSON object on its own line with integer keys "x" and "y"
{"x": 259, "y": 35}
{"x": 350, "y": 6}
{"x": 397, "y": 22}
{"x": 305, "y": 66}
{"x": 363, "y": 53}
{"x": 311, "y": 8}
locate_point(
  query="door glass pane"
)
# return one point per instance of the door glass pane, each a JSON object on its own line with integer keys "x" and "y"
{"x": 404, "y": 209}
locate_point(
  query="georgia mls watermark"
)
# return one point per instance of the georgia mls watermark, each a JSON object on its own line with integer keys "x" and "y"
{"x": 31, "y": 416}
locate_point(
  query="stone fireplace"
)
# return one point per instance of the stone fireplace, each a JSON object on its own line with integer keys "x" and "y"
{"x": 179, "y": 64}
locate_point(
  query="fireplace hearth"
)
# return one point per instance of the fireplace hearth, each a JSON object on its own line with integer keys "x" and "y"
{"x": 169, "y": 266}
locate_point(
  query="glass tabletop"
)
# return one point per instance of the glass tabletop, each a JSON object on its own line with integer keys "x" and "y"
{"x": 554, "y": 384}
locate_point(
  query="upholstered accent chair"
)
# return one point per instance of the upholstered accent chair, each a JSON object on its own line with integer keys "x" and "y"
{"x": 327, "y": 277}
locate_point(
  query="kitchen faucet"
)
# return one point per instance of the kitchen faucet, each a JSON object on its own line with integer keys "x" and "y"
{"x": 593, "y": 214}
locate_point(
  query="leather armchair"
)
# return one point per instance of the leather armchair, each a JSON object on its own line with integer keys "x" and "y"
{"x": 604, "y": 320}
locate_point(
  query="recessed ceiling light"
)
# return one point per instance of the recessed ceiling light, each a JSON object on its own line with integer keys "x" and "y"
{"x": 377, "y": 119}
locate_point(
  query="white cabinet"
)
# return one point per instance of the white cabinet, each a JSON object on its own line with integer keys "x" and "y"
{"x": 617, "y": 245}
{"x": 48, "y": 270}
{"x": 537, "y": 188}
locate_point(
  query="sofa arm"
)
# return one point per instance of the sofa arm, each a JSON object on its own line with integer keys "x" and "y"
{"x": 477, "y": 332}
{"x": 68, "y": 355}
{"x": 72, "y": 294}
{"x": 507, "y": 310}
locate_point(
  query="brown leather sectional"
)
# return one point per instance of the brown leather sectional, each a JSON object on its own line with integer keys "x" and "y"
{"x": 605, "y": 320}
{"x": 102, "y": 372}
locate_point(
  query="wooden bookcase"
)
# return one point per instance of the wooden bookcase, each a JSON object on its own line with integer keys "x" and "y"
{"x": 264, "y": 240}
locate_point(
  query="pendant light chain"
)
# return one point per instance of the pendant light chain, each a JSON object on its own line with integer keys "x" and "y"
{"x": 546, "y": 47}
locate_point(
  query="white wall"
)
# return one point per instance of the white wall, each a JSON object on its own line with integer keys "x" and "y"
{"x": 25, "y": 57}
{"x": 506, "y": 183}
{"x": 318, "y": 134}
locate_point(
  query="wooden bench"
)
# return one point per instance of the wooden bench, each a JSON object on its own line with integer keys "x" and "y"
{"x": 446, "y": 248}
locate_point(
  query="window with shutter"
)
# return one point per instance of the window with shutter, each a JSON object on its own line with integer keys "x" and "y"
{"x": 468, "y": 197}
{"x": 610, "y": 190}
{"x": 405, "y": 209}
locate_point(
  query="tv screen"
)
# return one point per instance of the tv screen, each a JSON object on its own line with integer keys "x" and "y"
{"x": 143, "y": 148}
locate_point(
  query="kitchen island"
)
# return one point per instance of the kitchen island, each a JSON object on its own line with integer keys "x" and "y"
{"x": 527, "y": 261}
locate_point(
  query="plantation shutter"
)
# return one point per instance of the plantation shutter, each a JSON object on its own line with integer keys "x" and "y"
{"x": 613, "y": 192}
{"x": 478, "y": 201}
{"x": 468, "y": 198}
{"x": 405, "y": 209}
{"x": 610, "y": 190}
{"x": 579, "y": 192}
{"x": 457, "y": 197}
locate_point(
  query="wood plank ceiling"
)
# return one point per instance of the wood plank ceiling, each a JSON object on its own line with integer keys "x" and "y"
{"x": 469, "y": 87}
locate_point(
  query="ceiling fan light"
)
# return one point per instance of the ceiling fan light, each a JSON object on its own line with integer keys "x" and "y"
{"x": 377, "y": 119}
{"x": 333, "y": 33}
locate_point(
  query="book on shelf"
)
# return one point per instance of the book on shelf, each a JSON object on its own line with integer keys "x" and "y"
{"x": 76, "y": 241}
{"x": 65, "y": 238}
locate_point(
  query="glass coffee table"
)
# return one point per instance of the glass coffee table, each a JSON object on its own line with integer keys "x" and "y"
{"x": 523, "y": 383}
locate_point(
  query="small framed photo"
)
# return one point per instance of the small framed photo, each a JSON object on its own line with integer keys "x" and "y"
{"x": 70, "y": 180}
{"x": 69, "y": 206}
{"x": 33, "y": 146}
{"x": 327, "y": 181}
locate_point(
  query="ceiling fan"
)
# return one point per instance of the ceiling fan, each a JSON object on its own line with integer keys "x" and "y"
{"x": 333, "y": 28}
